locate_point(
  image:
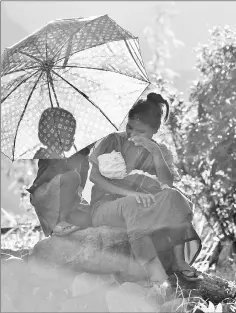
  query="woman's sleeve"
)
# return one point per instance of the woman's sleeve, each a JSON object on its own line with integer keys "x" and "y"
{"x": 169, "y": 158}
{"x": 106, "y": 145}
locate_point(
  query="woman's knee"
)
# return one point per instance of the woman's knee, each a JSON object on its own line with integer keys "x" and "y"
{"x": 129, "y": 206}
{"x": 109, "y": 214}
{"x": 129, "y": 202}
{"x": 71, "y": 178}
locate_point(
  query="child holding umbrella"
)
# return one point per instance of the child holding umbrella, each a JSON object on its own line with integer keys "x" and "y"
{"x": 56, "y": 191}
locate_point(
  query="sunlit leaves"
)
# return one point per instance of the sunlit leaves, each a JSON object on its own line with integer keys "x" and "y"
{"x": 213, "y": 137}
{"x": 202, "y": 131}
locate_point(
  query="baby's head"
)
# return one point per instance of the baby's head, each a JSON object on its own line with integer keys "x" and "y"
{"x": 57, "y": 129}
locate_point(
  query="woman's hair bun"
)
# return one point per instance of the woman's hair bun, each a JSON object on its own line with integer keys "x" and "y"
{"x": 159, "y": 100}
{"x": 155, "y": 98}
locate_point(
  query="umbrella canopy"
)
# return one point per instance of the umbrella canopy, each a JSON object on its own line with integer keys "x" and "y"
{"x": 91, "y": 67}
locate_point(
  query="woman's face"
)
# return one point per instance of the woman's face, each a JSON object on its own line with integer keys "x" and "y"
{"x": 136, "y": 127}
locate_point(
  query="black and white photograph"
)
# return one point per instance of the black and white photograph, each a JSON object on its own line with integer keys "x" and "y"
{"x": 118, "y": 156}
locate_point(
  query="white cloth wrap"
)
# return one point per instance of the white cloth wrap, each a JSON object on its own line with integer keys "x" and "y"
{"x": 112, "y": 165}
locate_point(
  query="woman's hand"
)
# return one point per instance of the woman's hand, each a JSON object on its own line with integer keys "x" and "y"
{"x": 146, "y": 199}
{"x": 146, "y": 143}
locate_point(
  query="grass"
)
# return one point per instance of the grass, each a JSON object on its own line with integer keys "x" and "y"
{"x": 24, "y": 238}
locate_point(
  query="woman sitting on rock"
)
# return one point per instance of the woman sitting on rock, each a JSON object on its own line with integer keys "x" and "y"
{"x": 133, "y": 188}
{"x": 56, "y": 191}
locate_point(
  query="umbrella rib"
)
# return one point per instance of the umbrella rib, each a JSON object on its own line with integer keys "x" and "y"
{"x": 87, "y": 98}
{"x": 20, "y": 156}
{"x": 97, "y": 45}
{"x": 99, "y": 69}
{"x": 6, "y": 156}
{"x": 81, "y": 29}
{"x": 133, "y": 57}
{"x": 75, "y": 32}
{"x": 138, "y": 47}
{"x": 23, "y": 81}
{"x": 68, "y": 51}
{"x": 22, "y": 114}
{"x": 53, "y": 89}
{"x": 134, "y": 103}
{"x": 46, "y": 44}
{"x": 49, "y": 81}
{"x": 135, "y": 42}
{"x": 140, "y": 59}
{"x": 37, "y": 48}
{"x": 21, "y": 70}
{"x": 50, "y": 96}
{"x": 31, "y": 56}
{"x": 49, "y": 92}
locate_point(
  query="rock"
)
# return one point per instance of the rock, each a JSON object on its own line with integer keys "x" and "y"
{"x": 12, "y": 271}
{"x": 86, "y": 283}
{"x": 158, "y": 294}
{"x": 91, "y": 302}
{"x": 212, "y": 288}
{"x": 95, "y": 250}
{"x": 174, "y": 305}
{"x": 102, "y": 250}
{"x": 129, "y": 297}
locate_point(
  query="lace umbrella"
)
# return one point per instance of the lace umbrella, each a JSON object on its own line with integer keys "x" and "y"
{"x": 91, "y": 67}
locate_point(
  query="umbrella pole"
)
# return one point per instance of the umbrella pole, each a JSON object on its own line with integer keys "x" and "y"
{"x": 50, "y": 82}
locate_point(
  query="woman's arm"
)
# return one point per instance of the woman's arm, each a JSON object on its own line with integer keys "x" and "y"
{"x": 163, "y": 172}
{"x": 145, "y": 199}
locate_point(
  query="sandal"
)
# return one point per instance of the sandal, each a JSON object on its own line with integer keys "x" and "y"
{"x": 195, "y": 275}
{"x": 64, "y": 228}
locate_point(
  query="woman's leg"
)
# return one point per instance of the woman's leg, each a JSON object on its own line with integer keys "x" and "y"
{"x": 69, "y": 185}
{"x": 80, "y": 217}
{"x": 181, "y": 265}
{"x": 121, "y": 213}
{"x": 180, "y": 258}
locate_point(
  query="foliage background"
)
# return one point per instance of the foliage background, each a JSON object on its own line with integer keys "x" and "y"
{"x": 201, "y": 133}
